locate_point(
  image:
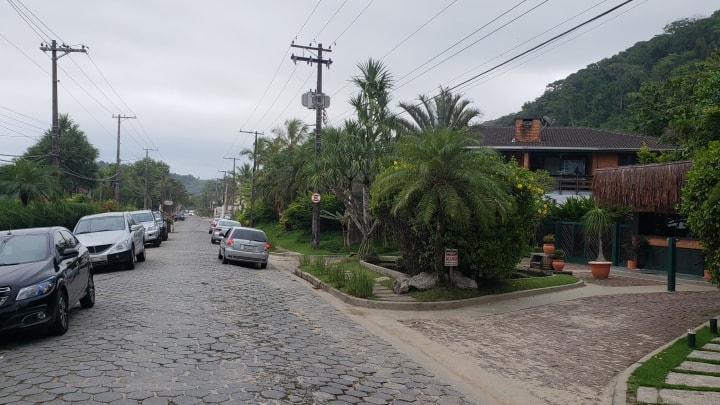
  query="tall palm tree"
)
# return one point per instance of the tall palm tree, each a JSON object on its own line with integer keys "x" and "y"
{"x": 446, "y": 110}
{"x": 437, "y": 179}
{"x": 29, "y": 181}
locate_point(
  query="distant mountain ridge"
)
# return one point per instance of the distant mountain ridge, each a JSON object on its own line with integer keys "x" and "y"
{"x": 192, "y": 184}
{"x": 598, "y": 96}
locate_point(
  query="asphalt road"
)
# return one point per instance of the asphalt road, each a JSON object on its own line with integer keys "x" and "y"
{"x": 184, "y": 329}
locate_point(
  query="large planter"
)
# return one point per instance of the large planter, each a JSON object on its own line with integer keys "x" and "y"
{"x": 558, "y": 264}
{"x": 600, "y": 270}
{"x": 548, "y": 248}
{"x": 632, "y": 264}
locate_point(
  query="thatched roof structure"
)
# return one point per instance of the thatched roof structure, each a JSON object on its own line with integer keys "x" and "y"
{"x": 646, "y": 188}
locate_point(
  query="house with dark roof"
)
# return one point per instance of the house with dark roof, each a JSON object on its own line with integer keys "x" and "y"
{"x": 570, "y": 154}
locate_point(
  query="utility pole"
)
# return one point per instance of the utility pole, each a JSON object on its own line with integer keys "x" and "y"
{"x": 222, "y": 212}
{"x": 145, "y": 197}
{"x": 117, "y": 162}
{"x": 319, "y": 107}
{"x": 252, "y": 192}
{"x": 234, "y": 186}
{"x": 55, "y": 131}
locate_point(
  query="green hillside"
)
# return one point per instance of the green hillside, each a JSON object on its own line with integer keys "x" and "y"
{"x": 602, "y": 94}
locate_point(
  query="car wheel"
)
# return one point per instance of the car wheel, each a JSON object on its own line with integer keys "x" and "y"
{"x": 88, "y": 301}
{"x": 61, "y": 322}
{"x": 141, "y": 256}
{"x": 131, "y": 263}
{"x": 220, "y": 255}
{"x": 157, "y": 242}
{"x": 263, "y": 265}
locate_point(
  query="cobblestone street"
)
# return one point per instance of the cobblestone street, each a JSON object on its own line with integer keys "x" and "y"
{"x": 184, "y": 329}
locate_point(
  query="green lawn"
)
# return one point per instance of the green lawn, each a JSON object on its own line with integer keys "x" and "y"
{"x": 653, "y": 372}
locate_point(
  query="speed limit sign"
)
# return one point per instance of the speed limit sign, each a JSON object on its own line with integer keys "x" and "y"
{"x": 316, "y": 197}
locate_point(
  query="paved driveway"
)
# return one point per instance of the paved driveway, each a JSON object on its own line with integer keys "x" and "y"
{"x": 183, "y": 329}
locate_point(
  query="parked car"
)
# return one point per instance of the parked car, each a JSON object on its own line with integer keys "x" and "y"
{"x": 112, "y": 238}
{"x": 248, "y": 245}
{"x": 152, "y": 229}
{"x": 179, "y": 215}
{"x": 220, "y": 228}
{"x": 213, "y": 223}
{"x": 164, "y": 233}
{"x": 43, "y": 273}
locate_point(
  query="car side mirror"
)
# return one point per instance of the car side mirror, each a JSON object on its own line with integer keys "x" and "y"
{"x": 70, "y": 253}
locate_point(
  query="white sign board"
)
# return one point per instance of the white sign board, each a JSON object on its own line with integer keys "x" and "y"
{"x": 451, "y": 257}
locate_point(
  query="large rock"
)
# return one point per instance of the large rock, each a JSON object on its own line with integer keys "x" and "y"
{"x": 423, "y": 281}
{"x": 460, "y": 281}
{"x": 401, "y": 285}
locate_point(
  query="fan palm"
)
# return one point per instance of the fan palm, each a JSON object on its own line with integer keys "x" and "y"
{"x": 29, "y": 181}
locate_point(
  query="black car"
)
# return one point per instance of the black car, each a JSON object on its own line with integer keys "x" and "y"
{"x": 43, "y": 273}
{"x": 162, "y": 224}
{"x": 179, "y": 215}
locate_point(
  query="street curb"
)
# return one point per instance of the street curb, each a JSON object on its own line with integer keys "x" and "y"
{"x": 423, "y": 306}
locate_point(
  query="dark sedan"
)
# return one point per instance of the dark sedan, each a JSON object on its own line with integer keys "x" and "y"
{"x": 43, "y": 273}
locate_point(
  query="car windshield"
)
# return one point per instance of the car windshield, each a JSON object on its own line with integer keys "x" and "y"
{"x": 100, "y": 224}
{"x": 143, "y": 217}
{"x": 19, "y": 249}
{"x": 227, "y": 223}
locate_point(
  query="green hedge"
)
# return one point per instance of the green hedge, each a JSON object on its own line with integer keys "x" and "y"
{"x": 13, "y": 215}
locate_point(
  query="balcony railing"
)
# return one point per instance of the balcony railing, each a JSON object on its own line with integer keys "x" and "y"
{"x": 573, "y": 184}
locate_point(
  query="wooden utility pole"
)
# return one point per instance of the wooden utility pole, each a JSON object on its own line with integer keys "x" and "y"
{"x": 318, "y": 127}
{"x": 252, "y": 188}
{"x": 117, "y": 162}
{"x": 145, "y": 196}
{"x": 55, "y": 131}
{"x": 234, "y": 186}
{"x": 224, "y": 172}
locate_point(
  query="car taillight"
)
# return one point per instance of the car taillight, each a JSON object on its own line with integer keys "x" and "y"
{"x": 218, "y": 229}
{"x": 230, "y": 241}
{"x": 267, "y": 246}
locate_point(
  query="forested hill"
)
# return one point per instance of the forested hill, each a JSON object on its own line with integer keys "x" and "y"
{"x": 192, "y": 184}
{"x": 601, "y": 95}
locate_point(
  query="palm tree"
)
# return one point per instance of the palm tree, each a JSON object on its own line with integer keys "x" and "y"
{"x": 442, "y": 111}
{"x": 439, "y": 180}
{"x": 29, "y": 181}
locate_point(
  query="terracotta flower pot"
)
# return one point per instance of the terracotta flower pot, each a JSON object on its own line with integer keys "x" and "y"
{"x": 600, "y": 270}
{"x": 706, "y": 275}
{"x": 548, "y": 248}
{"x": 632, "y": 264}
{"x": 558, "y": 265}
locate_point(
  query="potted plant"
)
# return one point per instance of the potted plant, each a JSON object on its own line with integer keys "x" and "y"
{"x": 597, "y": 221}
{"x": 558, "y": 261}
{"x": 548, "y": 244}
{"x": 634, "y": 249}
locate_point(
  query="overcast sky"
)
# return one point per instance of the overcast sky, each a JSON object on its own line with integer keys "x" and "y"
{"x": 196, "y": 74}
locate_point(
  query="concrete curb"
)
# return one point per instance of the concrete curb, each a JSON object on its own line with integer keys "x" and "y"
{"x": 424, "y": 306}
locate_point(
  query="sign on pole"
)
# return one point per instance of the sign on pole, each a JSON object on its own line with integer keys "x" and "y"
{"x": 451, "y": 257}
{"x": 316, "y": 197}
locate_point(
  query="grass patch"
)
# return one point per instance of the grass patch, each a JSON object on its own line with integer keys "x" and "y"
{"x": 347, "y": 275}
{"x": 653, "y": 372}
{"x": 494, "y": 287}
